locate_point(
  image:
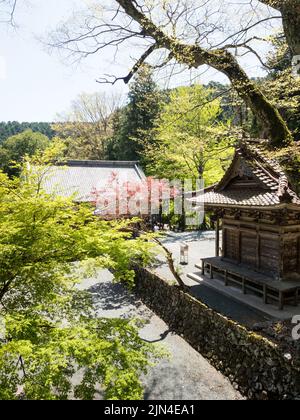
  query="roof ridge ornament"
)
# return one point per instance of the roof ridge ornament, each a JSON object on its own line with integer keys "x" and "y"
{"x": 284, "y": 192}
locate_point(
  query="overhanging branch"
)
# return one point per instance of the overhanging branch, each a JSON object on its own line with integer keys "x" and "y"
{"x": 223, "y": 61}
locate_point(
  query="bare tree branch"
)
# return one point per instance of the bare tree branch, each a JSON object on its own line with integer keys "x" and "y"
{"x": 132, "y": 72}
{"x": 7, "y": 11}
{"x": 171, "y": 265}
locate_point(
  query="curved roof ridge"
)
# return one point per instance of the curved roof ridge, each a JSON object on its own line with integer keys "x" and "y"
{"x": 284, "y": 190}
{"x": 258, "y": 152}
{"x": 275, "y": 185}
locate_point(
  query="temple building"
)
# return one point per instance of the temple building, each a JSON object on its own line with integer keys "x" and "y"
{"x": 79, "y": 178}
{"x": 258, "y": 213}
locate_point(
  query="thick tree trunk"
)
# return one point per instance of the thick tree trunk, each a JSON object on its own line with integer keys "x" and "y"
{"x": 275, "y": 128}
{"x": 291, "y": 23}
{"x": 290, "y": 10}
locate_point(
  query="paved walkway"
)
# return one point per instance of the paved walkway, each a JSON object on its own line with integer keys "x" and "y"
{"x": 186, "y": 375}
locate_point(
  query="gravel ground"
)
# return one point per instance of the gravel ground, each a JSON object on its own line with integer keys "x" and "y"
{"x": 186, "y": 375}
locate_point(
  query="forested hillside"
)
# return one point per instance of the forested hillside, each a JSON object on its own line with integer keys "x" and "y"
{"x": 11, "y": 128}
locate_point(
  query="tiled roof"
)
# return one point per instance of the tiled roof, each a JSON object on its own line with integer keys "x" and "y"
{"x": 241, "y": 198}
{"x": 83, "y": 177}
{"x": 253, "y": 180}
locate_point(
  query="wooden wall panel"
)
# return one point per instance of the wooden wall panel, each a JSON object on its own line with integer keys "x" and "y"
{"x": 270, "y": 254}
{"x": 260, "y": 242}
{"x": 249, "y": 249}
{"x": 232, "y": 244}
{"x": 290, "y": 255}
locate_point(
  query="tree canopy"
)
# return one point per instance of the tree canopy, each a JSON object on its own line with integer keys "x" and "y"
{"x": 134, "y": 123}
{"x": 191, "y": 141}
{"x": 88, "y": 126}
{"x": 14, "y": 149}
{"x": 11, "y": 128}
{"x": 49, "y": 329}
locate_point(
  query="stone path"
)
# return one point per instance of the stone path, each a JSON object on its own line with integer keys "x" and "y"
{"x": 186, "y": 375}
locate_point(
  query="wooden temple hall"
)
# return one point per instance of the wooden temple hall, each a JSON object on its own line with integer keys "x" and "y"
{"x": 257, "y": 215}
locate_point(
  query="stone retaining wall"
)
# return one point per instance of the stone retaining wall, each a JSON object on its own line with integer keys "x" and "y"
{"x": 255, "y": 365}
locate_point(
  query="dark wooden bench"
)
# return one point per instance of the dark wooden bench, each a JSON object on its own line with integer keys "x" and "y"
{"x": 250, "y": 280}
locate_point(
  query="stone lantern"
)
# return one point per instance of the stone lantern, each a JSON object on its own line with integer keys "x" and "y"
{"x": 184, "y": 253}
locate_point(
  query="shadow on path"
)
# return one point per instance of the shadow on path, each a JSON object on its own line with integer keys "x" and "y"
{"x": 162, "y": 337}
{"x": 116, "y": 299}
{"x": 188, "y": 236}
{"x": 111, "y": 296}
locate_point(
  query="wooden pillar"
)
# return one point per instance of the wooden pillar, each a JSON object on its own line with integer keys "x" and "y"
{"x": 265, "y": 295}
{"x": 226, "y": 278}
{"x": 244, "y": 286}
{"x": 240, "y": 247}
{"x": 258, "y": 242}
{"x": 296, "y": 298}
{"x": 218, "y": 237}
{"x": 281, "y": 301}
{"x": 224, "y": 250}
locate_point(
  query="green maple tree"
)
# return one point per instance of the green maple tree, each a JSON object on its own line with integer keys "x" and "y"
{"x": 49, "y": 329}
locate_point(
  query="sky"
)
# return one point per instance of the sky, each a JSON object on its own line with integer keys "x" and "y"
{"x": 36, "y": 85}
